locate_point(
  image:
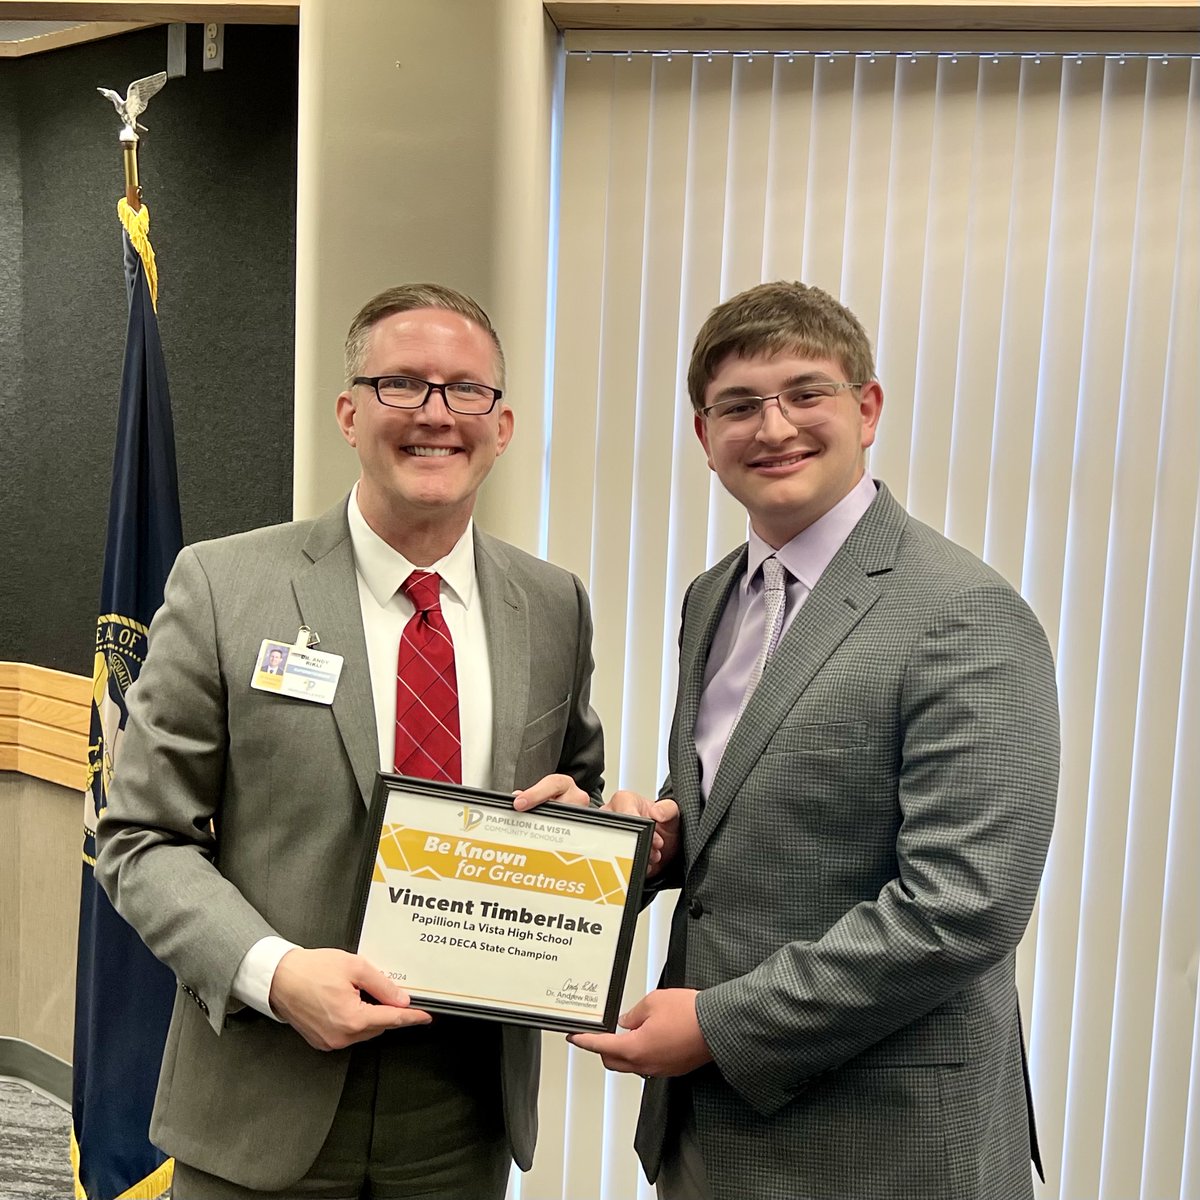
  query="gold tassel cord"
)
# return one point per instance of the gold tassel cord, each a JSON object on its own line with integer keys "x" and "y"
{"x": 137, "y": 225}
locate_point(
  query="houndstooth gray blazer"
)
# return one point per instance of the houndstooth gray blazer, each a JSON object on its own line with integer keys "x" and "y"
{"x": 854, "y": 889}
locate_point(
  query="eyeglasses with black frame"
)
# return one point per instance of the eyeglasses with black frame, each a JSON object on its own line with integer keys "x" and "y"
{"x": 463, "y": 397}
{"x": 803, "y": 404}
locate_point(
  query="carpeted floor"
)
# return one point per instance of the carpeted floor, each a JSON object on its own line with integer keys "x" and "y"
{"x": 35, "y": 1145}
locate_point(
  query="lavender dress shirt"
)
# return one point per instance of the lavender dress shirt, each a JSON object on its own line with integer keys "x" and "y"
{"x": 739, "y": 634}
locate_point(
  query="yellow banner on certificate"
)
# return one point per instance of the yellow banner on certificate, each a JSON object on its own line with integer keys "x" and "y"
{"x": 429, "y": 855}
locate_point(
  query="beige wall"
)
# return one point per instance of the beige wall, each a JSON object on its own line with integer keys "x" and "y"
{"x": 41, "y": 827}
{"x": 424, "y": 134}
{"x": 424, "y": 151}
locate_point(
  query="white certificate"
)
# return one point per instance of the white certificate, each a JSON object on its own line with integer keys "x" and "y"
{"x": 477, "y": 909}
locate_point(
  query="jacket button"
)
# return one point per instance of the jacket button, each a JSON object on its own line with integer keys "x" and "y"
{"x": 695, "y": 908}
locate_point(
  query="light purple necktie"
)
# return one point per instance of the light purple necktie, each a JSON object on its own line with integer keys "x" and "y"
{"x": 774, "y": 597}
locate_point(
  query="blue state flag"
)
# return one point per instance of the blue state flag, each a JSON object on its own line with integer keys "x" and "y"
{"x": 123, "y": 994}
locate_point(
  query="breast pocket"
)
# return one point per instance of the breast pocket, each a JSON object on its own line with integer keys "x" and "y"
{"x": 826, "y": 736}
{"x": 541, "y": 745}
{"x": 541, "y": 729}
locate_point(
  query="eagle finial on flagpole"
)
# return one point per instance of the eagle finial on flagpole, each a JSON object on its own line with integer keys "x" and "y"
{"x": 129, "y": 107}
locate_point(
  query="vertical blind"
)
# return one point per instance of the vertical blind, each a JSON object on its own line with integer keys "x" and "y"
{"x": 1020, "y": 234}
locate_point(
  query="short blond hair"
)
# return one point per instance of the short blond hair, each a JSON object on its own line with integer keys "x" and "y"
{"x": 405, "y": 298}
{"x": 775, "y": 318}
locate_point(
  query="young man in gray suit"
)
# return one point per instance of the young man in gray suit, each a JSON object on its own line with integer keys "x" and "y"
{"x": 863, "y": 770}
{"x": 238, "y": 814}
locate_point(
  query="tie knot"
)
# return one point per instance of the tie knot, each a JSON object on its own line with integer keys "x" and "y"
{"x": 421, "y": 587}
{"x": 774, "y": 574}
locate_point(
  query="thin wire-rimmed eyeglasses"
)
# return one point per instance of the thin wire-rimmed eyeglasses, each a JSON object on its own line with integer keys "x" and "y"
{"x": 804, "y": 404}
{"x": 465, "y": 398}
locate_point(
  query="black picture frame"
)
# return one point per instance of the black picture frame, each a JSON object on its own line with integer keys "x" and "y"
{"x": 639, "y": 832}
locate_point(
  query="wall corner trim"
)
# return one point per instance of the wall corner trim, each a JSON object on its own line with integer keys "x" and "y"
{"x": 29, "y": 1064}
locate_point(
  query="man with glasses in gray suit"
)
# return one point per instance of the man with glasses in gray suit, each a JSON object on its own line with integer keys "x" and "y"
{"x": 863, "y": 771}
{"x": 236, "y": 821}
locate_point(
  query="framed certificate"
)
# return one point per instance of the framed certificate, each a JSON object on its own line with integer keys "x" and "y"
{"x": 480, "y": 910}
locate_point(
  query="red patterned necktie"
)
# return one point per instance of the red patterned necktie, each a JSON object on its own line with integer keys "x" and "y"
{"x": 427, "y": 737}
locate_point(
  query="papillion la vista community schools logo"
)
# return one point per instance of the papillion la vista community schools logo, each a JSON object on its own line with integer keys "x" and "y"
{"x": 470, "y": 816}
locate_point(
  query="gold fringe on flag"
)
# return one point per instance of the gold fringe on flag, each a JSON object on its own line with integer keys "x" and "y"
{"x": 152, "y": 1187}
{"x": 137, "y": 225}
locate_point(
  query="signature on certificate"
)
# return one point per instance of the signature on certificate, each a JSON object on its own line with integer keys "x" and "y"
{"x": 583, "y": 992}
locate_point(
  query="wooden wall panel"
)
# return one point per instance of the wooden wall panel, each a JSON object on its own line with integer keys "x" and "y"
{"x": 44, "y": 720}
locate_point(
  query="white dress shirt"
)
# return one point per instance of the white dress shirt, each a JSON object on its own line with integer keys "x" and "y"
{"x": 380, "y": 571}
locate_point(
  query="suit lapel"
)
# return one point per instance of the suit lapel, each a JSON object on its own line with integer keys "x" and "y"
{"x": 837, "y": 604}
{"x": 506, "y": 618}
{"x": 705, "y": 605}
{"x": 326, "y": 591}
{"x": 844, "y": 594}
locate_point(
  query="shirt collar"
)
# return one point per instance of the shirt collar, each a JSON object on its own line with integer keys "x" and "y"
{"x": 808, "y": 554}
{"x": 384, "y": 569}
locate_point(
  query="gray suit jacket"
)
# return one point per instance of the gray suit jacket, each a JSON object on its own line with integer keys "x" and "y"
{"x": 856, "y": 884}
{"x": 285, "y": 784}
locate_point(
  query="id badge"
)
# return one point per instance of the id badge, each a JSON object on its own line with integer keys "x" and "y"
{"x": 298, "y": 670}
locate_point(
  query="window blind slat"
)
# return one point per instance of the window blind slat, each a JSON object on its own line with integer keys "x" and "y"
{"x": 1153, "y": 588}
{"x": 1174, "y": 624}
{"x": 868, "y": 176}
{"x": 791, "y": 131}
{"x": 1104, "y": 528}
{"x": 898, "y": 337}
{"x": 974, "y": 427}
{"x": 1066, "y": 608}
{"x": 828, "y": 171}
{"x": 1023, "y": 290}
{"x": 942, "y": 287}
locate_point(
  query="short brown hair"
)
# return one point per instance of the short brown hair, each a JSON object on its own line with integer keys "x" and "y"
{"x": 774, "y": 318}
{"x": 405, "y": 298}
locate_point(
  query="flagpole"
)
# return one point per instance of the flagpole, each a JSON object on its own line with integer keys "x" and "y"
{"x": 129, "y": 148}
{"x": 136, "y": 217}
{"x": 123, "y": 995}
